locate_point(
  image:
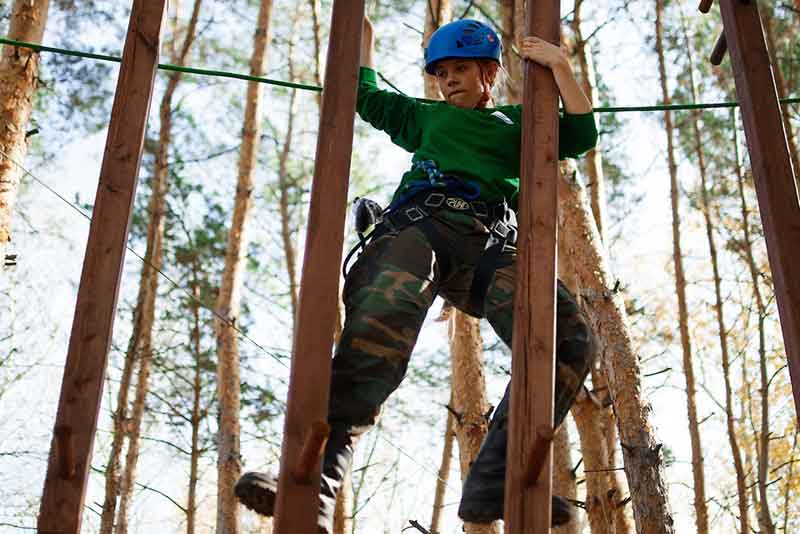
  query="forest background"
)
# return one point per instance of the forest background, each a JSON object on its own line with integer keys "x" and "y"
{"x": 169, "y": 460}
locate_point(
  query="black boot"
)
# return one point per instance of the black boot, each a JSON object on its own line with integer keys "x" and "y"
{"x": 483, "y": 495}
{"x": 257, "y": 490}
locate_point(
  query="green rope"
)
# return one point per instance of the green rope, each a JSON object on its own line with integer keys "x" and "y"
{"x": 223, "y": 74}
{"x": 162, "y": 66}
{"x": 677, "y": 107}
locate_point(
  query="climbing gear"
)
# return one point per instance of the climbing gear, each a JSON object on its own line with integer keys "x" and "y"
{"x": 443, "y": 192}
{"x": 500, "y": 247}
{"x": 483, "y": 494}
{"x": 366, "y": 213}
{"x": 465, "y": 38}
{"x": 257, "y": 491}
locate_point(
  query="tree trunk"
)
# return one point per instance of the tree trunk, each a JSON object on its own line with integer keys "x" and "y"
{"x": 317, "y": 31}
{"x": 606, "y": 311}
{"x": 287, "y": 233}
{"x": 469, "y": 398}
{"x": 701, "y": 510}
{"x": 197, "y": 389}
{"x": 593, "y": 159}
{"x": 564, "y": 477}
{"x": 120, "y": 421}
{"x": 342, "y": 520}
{"x": 148, "y": 284}
{"x": 19, "y": 78}
{"x": 438, "y": 13}
{"x": 599, "y": 508}
{"x": 789, "y": 486}
{"x": 764, "y": 515}
{"x": 444, "y": 473}
{"x": 718, "y": 304}
{"x": 228, "y": 302}
{"x": 512, "y": 18}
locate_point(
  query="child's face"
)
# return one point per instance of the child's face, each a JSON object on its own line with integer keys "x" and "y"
{"x": 460, "y": 82}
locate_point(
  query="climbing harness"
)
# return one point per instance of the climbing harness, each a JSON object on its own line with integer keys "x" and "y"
{"x": 423, "y": 198}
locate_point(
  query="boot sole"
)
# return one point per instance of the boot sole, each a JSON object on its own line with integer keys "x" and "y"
{"x": 478, "y": 512}
{"x": 257, "y": 493}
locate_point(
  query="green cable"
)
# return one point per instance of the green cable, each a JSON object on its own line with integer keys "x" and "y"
{"x": 223, "y": 74}
{"x": 676, "y": 107}
{"x": 162, "y": 66}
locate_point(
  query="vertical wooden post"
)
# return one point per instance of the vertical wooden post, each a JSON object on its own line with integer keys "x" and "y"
{"x": 81, "y": 390}
{"x": 298, "y": 501}
{"x": 529, "y": 465}
{"x": 772, "y": 167}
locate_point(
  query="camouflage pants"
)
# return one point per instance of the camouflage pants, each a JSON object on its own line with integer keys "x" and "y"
{"x": 387, "y": 294}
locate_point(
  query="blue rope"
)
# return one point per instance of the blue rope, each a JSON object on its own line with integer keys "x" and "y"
{"x": 436, "y": 180}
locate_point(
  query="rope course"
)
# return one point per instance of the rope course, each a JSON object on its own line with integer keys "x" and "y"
{"x": 316, "y": 88}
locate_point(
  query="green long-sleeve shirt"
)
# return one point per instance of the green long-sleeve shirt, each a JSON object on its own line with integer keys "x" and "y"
{"x": 478, "y": 145}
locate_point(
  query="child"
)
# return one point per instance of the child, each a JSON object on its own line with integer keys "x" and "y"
{"x": 449, "y": 231}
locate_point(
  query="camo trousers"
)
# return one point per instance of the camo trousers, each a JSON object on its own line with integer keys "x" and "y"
{"x": 388, "y": 292}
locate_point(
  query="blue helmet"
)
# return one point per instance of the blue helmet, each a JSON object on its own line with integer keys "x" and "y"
{"x": 464, "y": 38}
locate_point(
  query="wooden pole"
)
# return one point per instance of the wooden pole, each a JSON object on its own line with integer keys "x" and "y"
{"x": 772, "y": 167}
{"x": 81, "y": 390}
{"x": 529, "y": 465}
{"x": 307, "y": 405}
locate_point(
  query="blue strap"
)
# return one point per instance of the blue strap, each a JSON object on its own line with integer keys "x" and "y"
{"x": 436, "y": 180}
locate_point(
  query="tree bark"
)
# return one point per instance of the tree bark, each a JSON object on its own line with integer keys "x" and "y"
{"x": 764, "y": 515}
{"x": 469, "y": 398}
{"x": 287, "y": 233}
{"x": 148, "y": 286}
{"x": 19, "y": 78}
{"x": 438, "y": 13}
{"x": 563, "y": 477}
{"x": 701, "y": 510}
{"x": 444, "y": 474}
{"x": 229, "y": 300}
{"x": 593, "y": 159}
{"x": 606, "y": 312}
{"x": 317, "y": 32}
{"x": 512, "y": 18}
{"x": 342, "y": 514}
{"x": 197, "y": 389}
{"x": 599, "y": 508}
{"x": 120, "y": 420}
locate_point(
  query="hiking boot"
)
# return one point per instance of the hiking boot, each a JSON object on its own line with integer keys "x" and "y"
{"x": 483, "y": 495}
{"x": 257, "y": 491}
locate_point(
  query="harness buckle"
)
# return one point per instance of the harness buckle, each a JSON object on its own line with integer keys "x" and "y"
{"x": 414, "y": 214}
{"x": 434, "y": 200}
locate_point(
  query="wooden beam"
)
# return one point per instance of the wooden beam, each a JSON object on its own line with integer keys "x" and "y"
{"x": 772, "y": 168}
{"x": 529, "y": 465}
{"x": 81, "y": 390}
{"x": 310, "y": 377}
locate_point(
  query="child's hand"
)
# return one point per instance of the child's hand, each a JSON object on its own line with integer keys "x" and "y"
{"x": 542, "y": 52}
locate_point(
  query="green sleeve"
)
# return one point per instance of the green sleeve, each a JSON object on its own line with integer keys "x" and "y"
{"x": 397, "y": 115}
{"x": 576, "y": 134}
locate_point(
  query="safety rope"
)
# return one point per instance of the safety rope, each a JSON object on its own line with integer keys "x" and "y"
{"x": 316, "y": 88}
{"x": 161, "y": 66}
